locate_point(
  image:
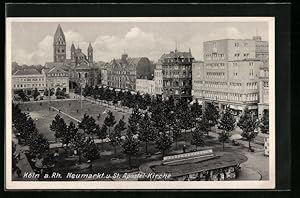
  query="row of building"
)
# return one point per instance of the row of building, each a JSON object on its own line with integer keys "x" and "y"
{"x": 233, "y": 73}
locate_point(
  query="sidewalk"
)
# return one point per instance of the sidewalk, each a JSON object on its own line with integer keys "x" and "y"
{"x": 247, "y": 173}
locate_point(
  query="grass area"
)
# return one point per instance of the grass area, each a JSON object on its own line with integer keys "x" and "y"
{"x": 43, "y": 116}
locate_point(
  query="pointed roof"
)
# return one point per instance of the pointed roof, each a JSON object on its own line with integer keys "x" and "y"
{"x": 90, "y": 47}
{"x": 72, "y": 46}
{"x": 59, "y": 33}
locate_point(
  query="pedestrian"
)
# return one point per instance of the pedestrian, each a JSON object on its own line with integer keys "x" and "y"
{"x": 40, "y": 104}
{"x": 77, "y": 110}
{"x": 59, "y": 110}
{"x": 184, "y": 148}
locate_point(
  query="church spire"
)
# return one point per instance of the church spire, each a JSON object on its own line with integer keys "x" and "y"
{"x": 59, "y": 45}
{"x": 59, "y": 36}
{"x": 90, "y": 46}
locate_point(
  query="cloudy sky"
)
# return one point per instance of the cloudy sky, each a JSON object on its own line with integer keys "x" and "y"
{"x": 32, "y": 42}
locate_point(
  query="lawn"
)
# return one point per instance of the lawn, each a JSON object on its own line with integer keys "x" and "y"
{"x": 43, "y": 116}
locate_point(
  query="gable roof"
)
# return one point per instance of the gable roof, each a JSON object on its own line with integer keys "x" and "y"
{"x": 27, "y": 72}
{"x": 55, "y": 70}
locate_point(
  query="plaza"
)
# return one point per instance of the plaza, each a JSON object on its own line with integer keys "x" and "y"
{"x": 39, "y": 111}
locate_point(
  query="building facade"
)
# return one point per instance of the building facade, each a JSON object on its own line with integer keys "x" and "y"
{"x": 56, "y": 78}
{"x": 28, "y": 80}
{"x": 177, "y": 74}
{"x": 229, "y": 74}
{"x": 122, "y": 73}
{"x": 263, "y": 104}
{"x": 145, "y": 86}
{"x": 158, "y": 79}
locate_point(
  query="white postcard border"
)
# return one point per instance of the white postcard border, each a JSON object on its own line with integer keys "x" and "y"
{"x": 77, "y": 185}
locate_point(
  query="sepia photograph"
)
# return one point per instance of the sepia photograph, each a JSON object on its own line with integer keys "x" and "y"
{"x": 140, "y": 102}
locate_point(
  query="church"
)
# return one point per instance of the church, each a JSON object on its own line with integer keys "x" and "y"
{"x": 81, "y": 67}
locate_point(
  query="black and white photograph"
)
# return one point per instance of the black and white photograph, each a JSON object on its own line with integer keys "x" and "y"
{"x": 140, "y": 102}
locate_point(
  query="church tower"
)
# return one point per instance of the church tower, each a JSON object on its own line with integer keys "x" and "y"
{"x": 59, "y": 45}
{"x": 73, "y": 52}
{"x": 90, "y": 54}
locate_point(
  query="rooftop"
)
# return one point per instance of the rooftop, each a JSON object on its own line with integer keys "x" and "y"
{"x": 27, "y": 72}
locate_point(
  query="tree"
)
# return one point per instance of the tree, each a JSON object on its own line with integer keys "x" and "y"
{"x": 264, "y": 122}
{"x": 134, "y": 119}
{"x": 227, "y": 124}
{"x": 59, "y": 126}
{"x": 90, "y": 151}
{"x": 158, "y": 119}
{"x": 22, "y": 95}
{"x": 130, "y": 146}
{"x": 163, "y": 142}
{"x": 203, "y": 125}
{"x": 211, "y": 114}
{"x": 115, "y": 138}
{"x": 67, "y": 135}
{"x": 35, "y": 93}
{"x": 58, "y": 92}
{"x": 109, "y": 121}
{"x": 196, "y": 109}
{"x": 146, "y": 132}
{"x": 198, "y": 136}
{"x": 91, "y": 126}
{"x": 121, "y": 124}
{"x": 48, "y": 160}
{"x": 47, "y": 91}
{"x": 248, "y": 124}
{"x": 84, "y": 124}
{"x": 25, "y": 126}
{"x": 176, "y": 132}
{"x": 38, "y": 144}
{"x": 101, "y": 133}
{"x": 78, "y": 143}
{"x": 146, "y": 101}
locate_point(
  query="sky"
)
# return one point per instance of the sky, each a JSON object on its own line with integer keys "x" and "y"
{"x": 32, "y": 42}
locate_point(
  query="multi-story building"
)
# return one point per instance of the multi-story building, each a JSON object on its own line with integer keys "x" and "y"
{"x": 104, "y": 76}
{"x": 28, "y": 80}
{"x": 158, "y": 79}
{"x": 229, "y": 74}
{"x": 122, "y": 73}
{"x": 177, "y": 74}
{"x": 145, "y": 86}
{"x": 261, "y": 49}
{"x": 197, "y": 78}
{"x": 56, "y": 78}
{"x": 263, "y": 104}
